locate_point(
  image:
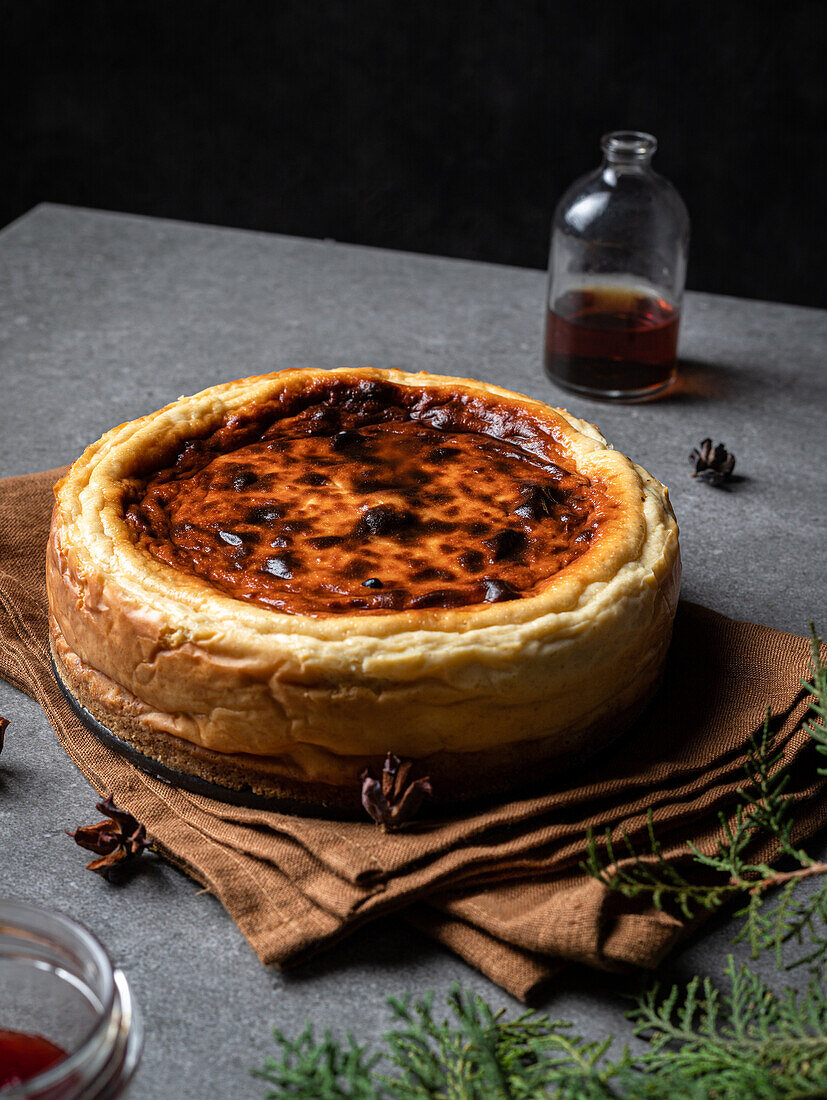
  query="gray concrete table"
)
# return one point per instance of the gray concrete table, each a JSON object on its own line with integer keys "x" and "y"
{"x": 105, "y": 317}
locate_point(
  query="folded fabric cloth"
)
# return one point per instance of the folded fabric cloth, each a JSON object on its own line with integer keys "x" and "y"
{"x": 500, "y": 885}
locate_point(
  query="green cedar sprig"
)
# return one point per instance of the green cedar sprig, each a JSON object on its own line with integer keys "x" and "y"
{"x": 473, "y": 1054}
{"x": 746, "y": 1041}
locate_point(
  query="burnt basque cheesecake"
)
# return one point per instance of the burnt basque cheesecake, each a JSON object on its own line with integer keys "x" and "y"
{"x": 272, "y": 584}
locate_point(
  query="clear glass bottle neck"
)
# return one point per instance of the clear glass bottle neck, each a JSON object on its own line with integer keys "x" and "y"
{"x": 628, "y": 149}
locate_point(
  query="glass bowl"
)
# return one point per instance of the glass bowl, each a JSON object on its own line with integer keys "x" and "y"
{"x": 57, "y": 982}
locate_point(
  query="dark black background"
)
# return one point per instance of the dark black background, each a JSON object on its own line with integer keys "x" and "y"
{"x": 439, "y": 127}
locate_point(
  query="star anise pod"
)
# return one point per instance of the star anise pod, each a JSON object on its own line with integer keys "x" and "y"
{"x": 3, "y": 726}
{"x": 117, "y": 841}
{"x": 713, "y": 462}
{"x": 394, "y": 799}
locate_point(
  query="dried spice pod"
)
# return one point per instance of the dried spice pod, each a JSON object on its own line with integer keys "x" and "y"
{"x": 712, "y": 461}
{"x": 4, "y": 724}
{"x": 117, "y": 841}
{"x": 395, "y": 799}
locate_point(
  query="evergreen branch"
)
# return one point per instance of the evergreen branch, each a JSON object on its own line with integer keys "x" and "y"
{"x": 789, "y": 919}
{"x": 750, "y": 1042}
{"x": 478, "y": 1053}
{"x": 700, "y": 1043}
{"x": 650, "y": 874}
{"x": 326, "y": 1070}
{"x": 474, "y": 1054}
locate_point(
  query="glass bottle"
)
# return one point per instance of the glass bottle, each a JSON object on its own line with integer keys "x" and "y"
{"x": 617, "y": 268}
{"x": 69, "y": 1029}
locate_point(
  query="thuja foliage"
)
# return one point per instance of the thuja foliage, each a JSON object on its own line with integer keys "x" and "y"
{"x": 731, "y": 1039}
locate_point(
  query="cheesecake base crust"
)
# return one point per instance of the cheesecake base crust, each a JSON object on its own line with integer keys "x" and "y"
{"x": 456, "y": 777}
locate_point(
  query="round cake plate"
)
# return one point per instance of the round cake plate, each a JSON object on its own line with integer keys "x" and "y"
{"x": 173, "y": 778}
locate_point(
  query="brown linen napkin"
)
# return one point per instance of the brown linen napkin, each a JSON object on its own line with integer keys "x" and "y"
{"x": 500, "y": 886}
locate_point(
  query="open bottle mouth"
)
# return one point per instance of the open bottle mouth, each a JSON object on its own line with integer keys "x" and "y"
{"x": 628, "y": 146}
{"x": 58, "y": 984}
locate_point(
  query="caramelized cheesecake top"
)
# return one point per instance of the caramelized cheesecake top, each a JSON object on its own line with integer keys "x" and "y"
{"x": 370, "y": 497}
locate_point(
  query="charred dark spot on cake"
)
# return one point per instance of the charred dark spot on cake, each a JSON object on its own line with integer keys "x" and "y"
{"x": 368, "y": 481}
{"x": 536, "y": 502}
{"x": 191, "y": 456}
{"x": 471, "y": 561}
{"x": 507, "y": 543}
{"x": 296, "y": 527}
{"x": 439, "y": 527}
{"x": 324, "y": 542}
{"x": 242, "y": 480}
{"x": 372, "y": 582}
{"x": 433, "y": 574}
{"x": 440, "y": 597}
{"x": 501, "y": 467}
{"x": 357, "y": 568}
{"x": 496, "y": 590}
{"x": 347, "y": 441}
{"x": 320, "y": 420}
{"x": 280, "y": 566}
{"x": 368, "y": 398}
{"x": 441, "y": 454}
{"x": 584, "y": 537}
{"x": 279, "y": 541}
{"x": 384, "y": 520}
{"x": 263, "y": 515}
{"x": 365, "y": 481}
{"x": 478, "y": 529}
{"x": 313, "y": 478}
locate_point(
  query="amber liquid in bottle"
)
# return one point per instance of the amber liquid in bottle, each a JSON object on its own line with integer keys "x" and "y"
{"x": 23, "y": 1055}
{"x": 612, "y": 340}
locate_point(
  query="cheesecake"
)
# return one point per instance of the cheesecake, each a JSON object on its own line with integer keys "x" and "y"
{"x": 273, "y": 583}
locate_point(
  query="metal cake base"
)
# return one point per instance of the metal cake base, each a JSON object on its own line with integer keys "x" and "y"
{"x": 183, "y": 780}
